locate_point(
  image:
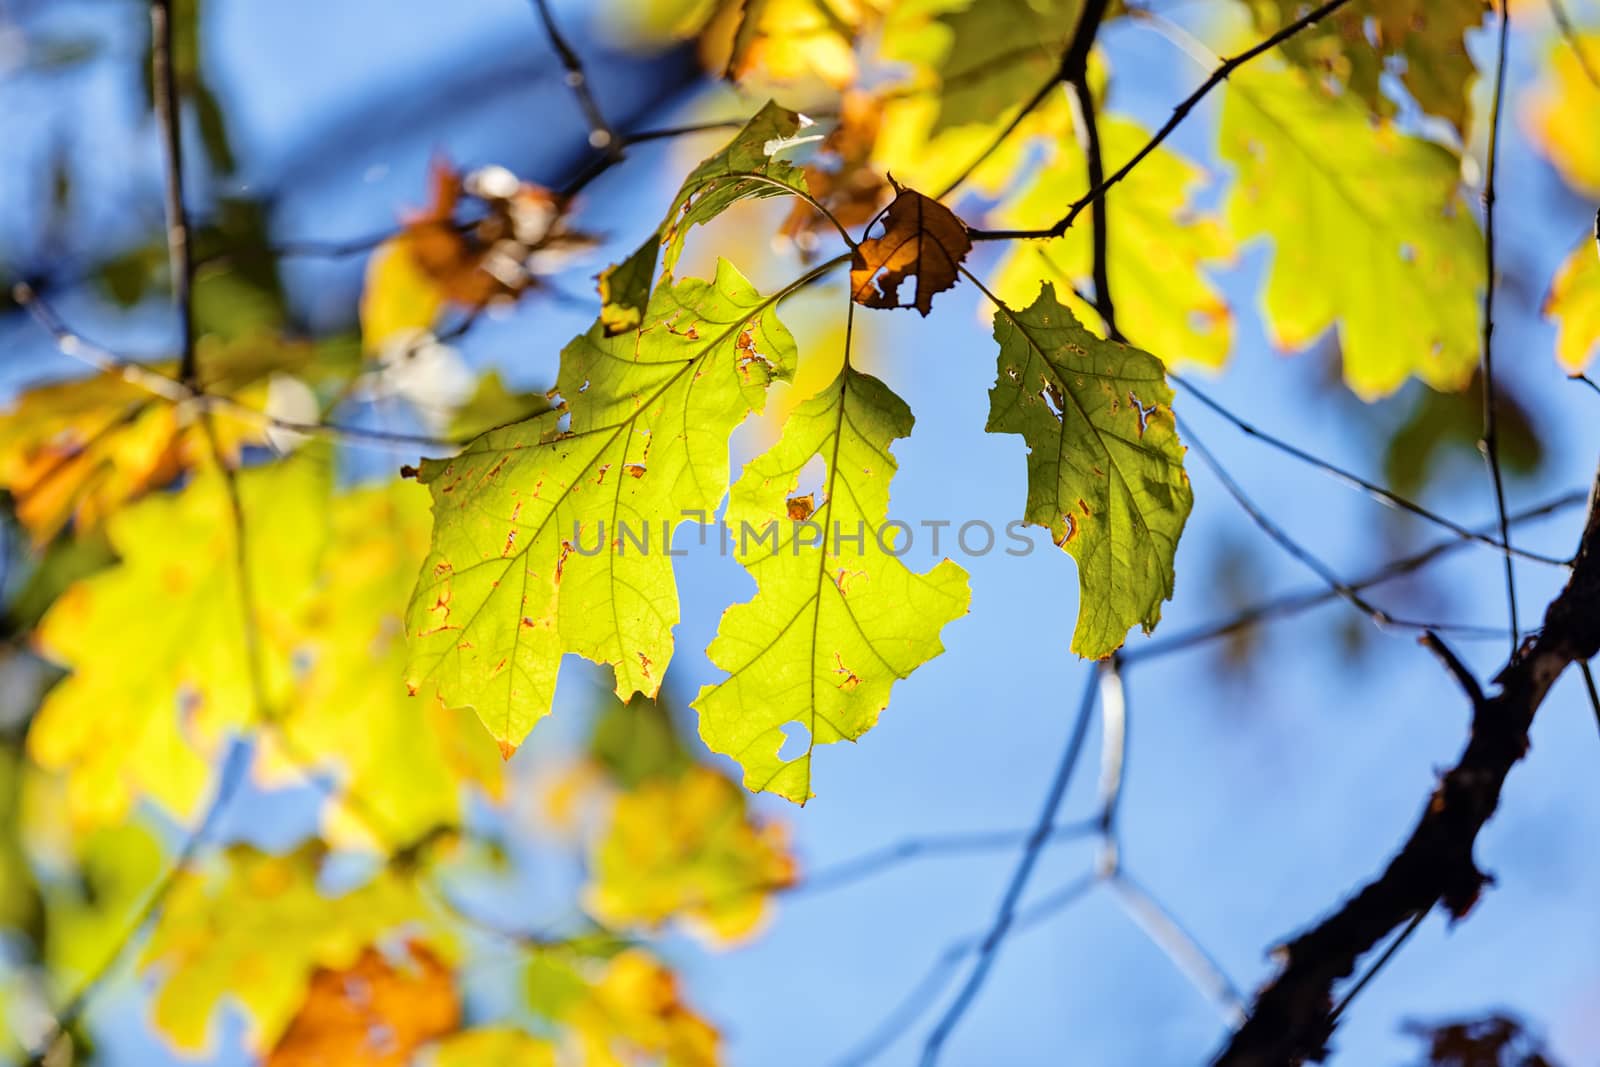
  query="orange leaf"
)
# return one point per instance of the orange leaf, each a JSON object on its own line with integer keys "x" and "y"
{"x": 921, "y": 237}
{"x": 373, "y": 1014}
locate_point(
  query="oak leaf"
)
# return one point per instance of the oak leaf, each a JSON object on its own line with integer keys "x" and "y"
{"x": 1573, "y": 303}
{"x": 1105, "y": 467}
{"x": 835, "y": 621}
{"x": 921, "y": 238}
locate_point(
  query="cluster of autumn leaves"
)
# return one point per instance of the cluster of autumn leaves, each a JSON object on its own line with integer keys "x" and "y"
{"x": 373, "y": 626}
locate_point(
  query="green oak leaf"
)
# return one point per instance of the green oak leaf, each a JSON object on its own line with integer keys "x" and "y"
{"x": 551, "y": 539}
{"x": 834, "y": 624}
{"x": 1373, "y": 215}
{"x": 1105, "y": 467}
{"x": 747, "y": 168}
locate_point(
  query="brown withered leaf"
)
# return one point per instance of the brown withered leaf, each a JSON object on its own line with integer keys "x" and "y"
{"x": 373, "y": 1014}
{"x": 921, "y": 237}
{"x": 499, "y": 255}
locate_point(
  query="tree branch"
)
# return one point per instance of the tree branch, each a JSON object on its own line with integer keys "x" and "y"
{"x": 1290, "y": 1022}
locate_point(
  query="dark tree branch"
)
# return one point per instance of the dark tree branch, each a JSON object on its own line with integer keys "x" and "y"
{"x": 1290, "y": 1021}
{"x": 1569, "y": 33}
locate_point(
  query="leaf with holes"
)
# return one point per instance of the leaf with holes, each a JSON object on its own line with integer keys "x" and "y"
{"x": 747, "y": 168}
{"x": 1370, "y": 231}
{"x": 1105, "y": 467}
{"x": 921, "y": 238}
{"x": 836, "y": 620}
{"x": 552, "y": 538}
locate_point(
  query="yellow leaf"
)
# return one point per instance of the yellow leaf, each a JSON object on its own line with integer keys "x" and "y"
{"x": 399, "y": 300}
{"x": 1563, "y": 113}
{"x": 256, "y": 928}
{"x": 407, "y": 759}
{"x": 372, "y": 1014}
{"x": 1370, "y": 231}
{"x": 1574, "y": 304}
{"x": 78, "y": 450}
{"x": 492, "y": 1047}
{"x": 157, "y": 646}
{"x": 687, "y": 847}
{"x": 622, "y": 1012}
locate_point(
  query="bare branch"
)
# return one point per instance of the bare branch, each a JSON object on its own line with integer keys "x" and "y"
{"x": 1290, "y": 1020}
{"x": 1452, "y": 663}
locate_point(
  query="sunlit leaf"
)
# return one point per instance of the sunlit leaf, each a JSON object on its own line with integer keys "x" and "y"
{"x": 836, "y": 621}
{"x": 256, "y": 928}
{"x": 406, "y": 760}
{"x": 685, "y": 847}
{"x": 1370, "y": 233}
{"x": 374, "y": 1013}
{"x": 922, "y": 239}
{"x": 492, "y": 1047}
{"x": 146, "y": 705}
{"x": 1574, "y": 304}
{"x": 539, "y": 531}
{"x": 1105, "y": 467}
{"x": 1159, "y": 244}
{"x": 841, "y": 176}
{"x": 620, "y": 1010}
{"x": 1563, "y": 110}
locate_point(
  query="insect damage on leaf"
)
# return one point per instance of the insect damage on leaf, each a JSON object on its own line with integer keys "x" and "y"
{"x": 837, "y": 617}
{"x": 1105, "y": 467}
{"x": 550, "y": 539}
{"x": 921, "y": 238}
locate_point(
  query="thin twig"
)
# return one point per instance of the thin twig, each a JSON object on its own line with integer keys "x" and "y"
{"x": 1594, "y": 695}
{"x": 1586, "y": 380}
{"x": 1491, "y": 431}
{"x": 1377, "y": 965}
{"x": 1295, "y": 603}
{"x": 1290, "y": 1019}
{"x": 1452, "y": 663}
{"x": 1179, "y": 113}
{"x": 601, "y": 135}
{"x": 179, "y": 255}
{"x": 171, "y": 389}
{"x": 1382, "y": 495}
{"x": 1005, "y": 914}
